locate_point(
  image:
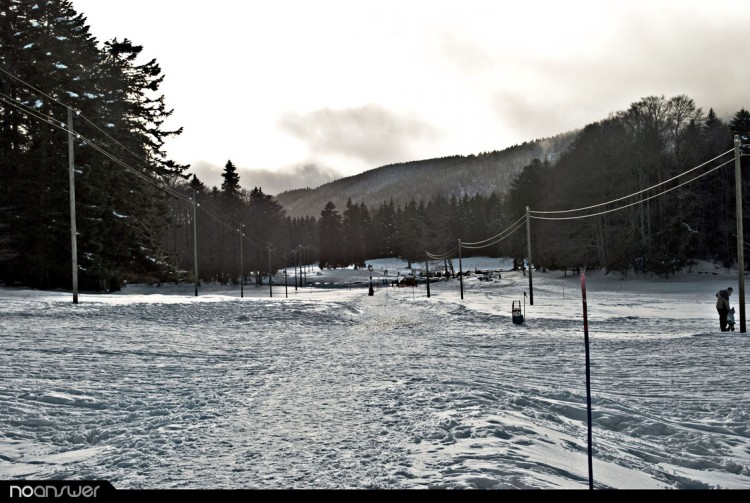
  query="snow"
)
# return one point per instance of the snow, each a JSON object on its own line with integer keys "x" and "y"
{"x": 331, "y": 388}
{"x": 61, "y": 66}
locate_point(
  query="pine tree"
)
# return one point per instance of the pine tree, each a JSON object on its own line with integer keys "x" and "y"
{"x": 121, "y": 218}
{"x": 330, "y": 252}
{"x": 231, "y": 184}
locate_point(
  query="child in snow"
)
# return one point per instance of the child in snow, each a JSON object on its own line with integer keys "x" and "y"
{"x": 722, "y": 306}
{"x": 730, "y": 320}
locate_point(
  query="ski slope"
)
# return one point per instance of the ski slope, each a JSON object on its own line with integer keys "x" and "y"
{"x": 332, "y": 388}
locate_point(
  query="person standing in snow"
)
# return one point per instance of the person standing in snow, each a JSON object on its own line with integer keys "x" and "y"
{"x": 722, "y": 306}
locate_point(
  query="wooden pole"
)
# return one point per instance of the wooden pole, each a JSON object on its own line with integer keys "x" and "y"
{"x": 588, "y": 378}
{"x": 72, "y": 185}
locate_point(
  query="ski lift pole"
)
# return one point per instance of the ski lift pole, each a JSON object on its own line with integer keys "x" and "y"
{"x": 588, "y": 377}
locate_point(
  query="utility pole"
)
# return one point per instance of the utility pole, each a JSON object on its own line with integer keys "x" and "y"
{"x": 242, "y": 278}
{"x": 72, "y": 184}
{"x": 195, "y": 241}
{"x": 740, "y": 235}
{"x": 427, "y": 268}
{"x": 528, "y": 246}
{"x": 270, "y": 287}
{"x": 460, "y": 270}
{"x": 286, "y": 285}
{"x": 299, "y": 263}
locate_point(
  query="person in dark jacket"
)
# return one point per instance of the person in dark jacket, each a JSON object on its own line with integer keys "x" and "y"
{"x": 722, "y": 306}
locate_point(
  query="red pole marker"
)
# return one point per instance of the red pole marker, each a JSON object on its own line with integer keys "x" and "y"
{"x": 588, "y": 377}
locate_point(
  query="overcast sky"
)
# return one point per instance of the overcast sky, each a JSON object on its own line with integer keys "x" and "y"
{"x": 297, "y": 93}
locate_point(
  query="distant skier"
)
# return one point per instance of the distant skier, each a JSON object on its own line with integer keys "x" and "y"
{"x": 722, "y": 306}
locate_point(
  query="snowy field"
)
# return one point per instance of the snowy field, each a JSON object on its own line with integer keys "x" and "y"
{"x": 331, "y": 388}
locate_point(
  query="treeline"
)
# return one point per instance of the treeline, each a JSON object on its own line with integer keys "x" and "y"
{"x": 351, "y": 236}
{"x": 484, "y": 174}
{"x": 238, "y": 232}
{"x": 48, "y": 57}
{"x": 654, "y": 140}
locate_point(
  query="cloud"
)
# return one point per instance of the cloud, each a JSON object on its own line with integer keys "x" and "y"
{"x": 578, "y": 72}
{"x": 294, "y": 177}
{"x": 271, "y": 181}
{"x": 371, "y": 133}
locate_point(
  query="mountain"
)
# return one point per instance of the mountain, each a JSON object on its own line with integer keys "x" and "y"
{"x": 422, "y": 180}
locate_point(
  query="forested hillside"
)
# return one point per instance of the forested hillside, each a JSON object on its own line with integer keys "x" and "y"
{"x": 483, "y": 174}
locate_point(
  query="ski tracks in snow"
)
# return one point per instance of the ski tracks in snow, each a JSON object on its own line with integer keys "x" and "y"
{"x": 339, "y": 390}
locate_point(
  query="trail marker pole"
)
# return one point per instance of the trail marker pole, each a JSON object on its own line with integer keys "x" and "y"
{"x": 460, "y": 270}
{"x": 588, "y": 378}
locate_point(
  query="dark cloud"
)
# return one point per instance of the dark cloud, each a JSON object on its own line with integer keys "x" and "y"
{"x": 371, "y": 133}
{"x": 658, "y": 48}
{"x": 272, "y": 182}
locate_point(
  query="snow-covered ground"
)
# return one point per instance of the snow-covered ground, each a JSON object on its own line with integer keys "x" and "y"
{"x": 331, "y": 388}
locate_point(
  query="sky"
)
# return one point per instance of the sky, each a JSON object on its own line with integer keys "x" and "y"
{"x": 297, "y": 93}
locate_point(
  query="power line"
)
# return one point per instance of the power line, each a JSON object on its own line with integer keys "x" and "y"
{"x": 78, "y": 113}
{"x": 52, "y": 121}
{"x": 34, "y": 88}
{"x": 254, "y": 240}
{"x": 228, "y": 222}
{"x": 37, "y": 115}
{"x": 636, "y": 202}
{"x": 442, "y": 256}
{"x": 520, "y": 223}
{"x": 635, "y": 193}
{"x": 500, "y": 234}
